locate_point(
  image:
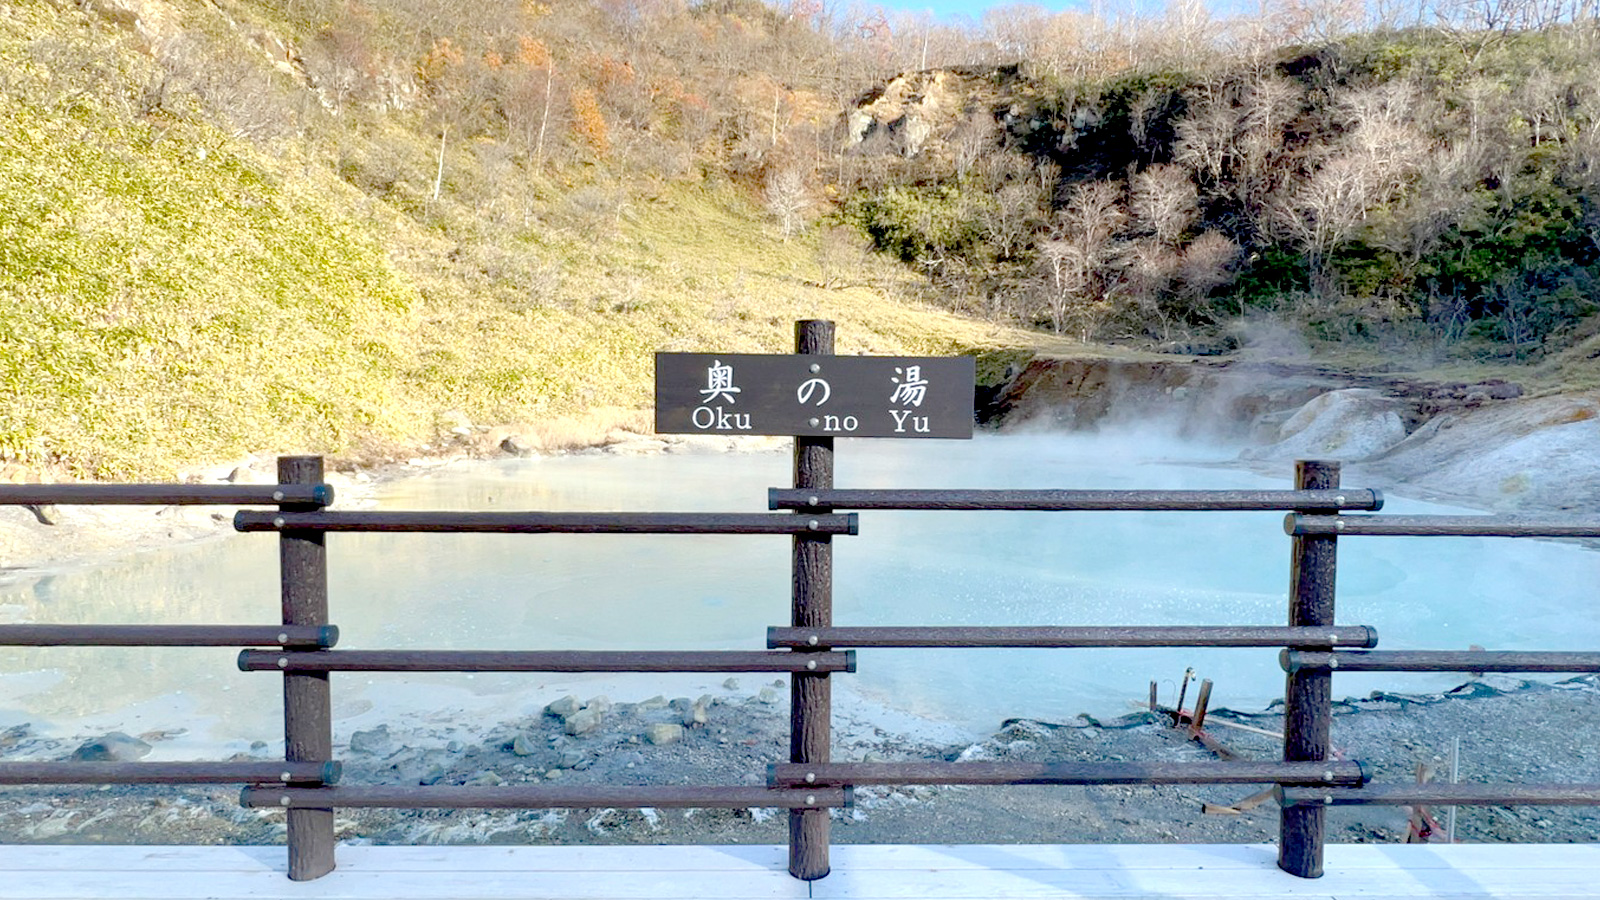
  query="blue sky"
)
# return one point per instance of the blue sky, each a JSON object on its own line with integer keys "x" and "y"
{"x": 948, "y": 10}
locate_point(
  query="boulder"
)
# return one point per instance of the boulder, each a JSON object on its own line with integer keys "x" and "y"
{"x": 584, "y": 721}
{"x": 564, "y": 707}
{"x": 665, "y": 733}
{"x": 1348, "y": 425}
{"x": 113, "y": 747}
{"x": 375, "y": 740}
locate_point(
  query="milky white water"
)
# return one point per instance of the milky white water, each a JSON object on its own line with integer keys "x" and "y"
{"x": 905, "y": 568}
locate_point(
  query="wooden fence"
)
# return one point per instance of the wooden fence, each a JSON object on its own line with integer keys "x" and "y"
{"x": 811, "y": 649}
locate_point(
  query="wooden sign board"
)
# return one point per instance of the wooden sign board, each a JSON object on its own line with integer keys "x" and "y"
{"x": 815, "y": 396}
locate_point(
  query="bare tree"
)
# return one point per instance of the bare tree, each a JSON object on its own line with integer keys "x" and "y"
{"x": 1381, "y": 153}
{"x": 1207, "y": 264}
{"x": 787, "y": 200}
{"x": 1080, "y": 259}
{"x": 1164, "y": 203}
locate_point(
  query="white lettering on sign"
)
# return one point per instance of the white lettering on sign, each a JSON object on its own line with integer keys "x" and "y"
{"x": 834, "y": 423}
{"x": 913, "y": 390}
{"x": 809, "y": 389}
{"x": 719, "y": 382}
{"x": 919, "y": 424}
{"x": 707, "y": 419}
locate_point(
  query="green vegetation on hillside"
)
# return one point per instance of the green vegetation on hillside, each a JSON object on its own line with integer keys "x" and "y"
{"x": 1425, "y": 187}
{"x": 343, "y": 226}
{"x": 183, "y": 280}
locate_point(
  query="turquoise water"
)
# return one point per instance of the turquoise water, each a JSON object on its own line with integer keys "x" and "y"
{"x": 670, "y": 592}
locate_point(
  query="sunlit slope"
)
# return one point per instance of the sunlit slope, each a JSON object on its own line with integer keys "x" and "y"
{"x": 171, "y": 294}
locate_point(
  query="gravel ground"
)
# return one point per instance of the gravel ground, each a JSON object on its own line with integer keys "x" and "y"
{"x": 1508, "y": 730}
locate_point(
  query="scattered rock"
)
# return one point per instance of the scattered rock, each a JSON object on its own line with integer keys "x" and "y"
{"x": 698, "y": 713}
{"x": 664, "y": 733}
{"x": 767, "y": 695}
{"x": 376, "y": 740}
{"x": 584, "y": 721}
{"x": 525, "y": 745}
{"x": 245, "y": 475}
{"x": 517, "y": 445}
{"x": 113, "y": 747}
{"x": 564, "y": 707}
{"x": 732, "y": 684}
{"x": 485, "y": 779}
{"x": 14, "y": 735}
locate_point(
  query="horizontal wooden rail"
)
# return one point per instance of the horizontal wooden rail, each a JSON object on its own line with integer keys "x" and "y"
{"x": 547, "y": 797}
{"x": 546, "y": 661}
{"x": 1332, "y": 772}
{"x": 165, "y": 494}
{"x": 168, "y": 635}
{"x": 1073, "y": 636}
{"x": 1440, "y": 526}
{"x": 1434, "y": 794}
{"x": 1440, "y": 661}
{"x": 1072, "y": 501}
{"x": 446, "y": 522}
{"x": 12, "y": 773}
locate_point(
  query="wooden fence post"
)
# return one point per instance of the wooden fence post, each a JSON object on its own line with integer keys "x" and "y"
{"x": 811, "y": 696}
{"x": 307, "y": 709}
{"x": 1308, "y": 694}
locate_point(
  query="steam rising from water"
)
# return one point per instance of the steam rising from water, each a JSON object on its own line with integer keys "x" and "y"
{"x": 905, "y": 568}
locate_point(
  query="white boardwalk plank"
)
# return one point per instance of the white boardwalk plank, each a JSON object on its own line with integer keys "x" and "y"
{"x": 860, "y": 872}
{"x": 1210, "y": 856}
{"x": 731, "y": 857}
{"x": 1222, "y": 871}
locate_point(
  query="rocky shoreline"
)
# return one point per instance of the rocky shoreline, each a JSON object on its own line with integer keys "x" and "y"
{"x": 1508, "y": 730}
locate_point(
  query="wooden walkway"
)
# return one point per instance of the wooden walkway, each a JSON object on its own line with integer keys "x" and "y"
{"x": 937, "y": 872}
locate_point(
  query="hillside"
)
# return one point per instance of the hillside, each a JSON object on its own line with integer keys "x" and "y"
{"x": 327, "y": 225}
{"x": 202, "y": 254}
{"x": 1431, "y": 192}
